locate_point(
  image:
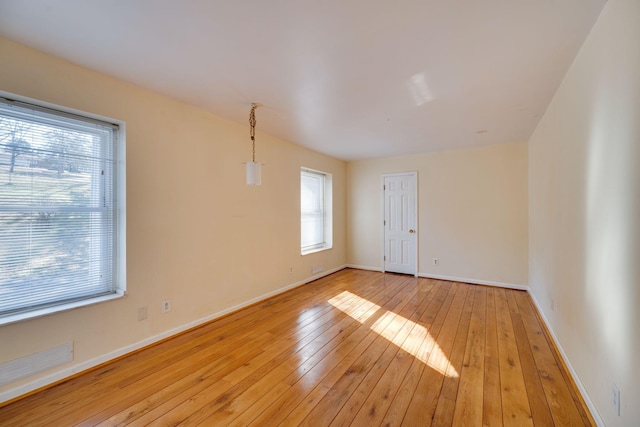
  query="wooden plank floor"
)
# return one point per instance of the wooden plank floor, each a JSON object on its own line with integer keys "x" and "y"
{"x": 355, "y": 348}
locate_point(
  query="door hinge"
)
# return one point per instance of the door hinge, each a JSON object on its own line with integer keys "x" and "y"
{"x": 384, "y": 222}
{"x": 384, "y": 187}
{"x": 385, "y": 257}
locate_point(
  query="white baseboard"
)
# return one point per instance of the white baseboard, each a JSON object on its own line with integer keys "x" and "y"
{"x": 451, "y": 278}
{"x": 475, "y": 281}
{"x": 572, "y": 372}
{"x": 72, "y": 370}
{"x": 364, "y": 267}
{"x": 312, "y": 278}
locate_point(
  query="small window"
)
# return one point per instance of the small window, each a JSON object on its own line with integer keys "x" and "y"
{"x": 61, "y": 210}
{"x": 315, "y": 211}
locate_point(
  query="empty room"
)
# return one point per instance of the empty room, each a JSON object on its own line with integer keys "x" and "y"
{"x": 321, "y": 213}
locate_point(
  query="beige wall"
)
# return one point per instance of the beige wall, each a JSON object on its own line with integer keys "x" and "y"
{"x": 585, "y": 212}
{"x": 197, "y": 235}
{"x": 472, "y": 212}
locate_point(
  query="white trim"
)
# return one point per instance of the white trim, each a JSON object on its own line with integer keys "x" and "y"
{"x": 312, "y": 278}
{"x": 365, "y": 267}
{"x": 475, "y": 281}
{"x": 451, "y": 278}
{"x": 383, "y": 259}
{"x": 64, "y": 373}
{"x": 313, "y": 251}
{"x": 58, "y": 107}
{"x": 120, "y": 274}
{"x": 572, "y": 372}
{"x": 27, "y": 315}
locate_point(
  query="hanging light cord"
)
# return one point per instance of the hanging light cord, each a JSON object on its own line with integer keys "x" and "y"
{"x": 252, "y": 132}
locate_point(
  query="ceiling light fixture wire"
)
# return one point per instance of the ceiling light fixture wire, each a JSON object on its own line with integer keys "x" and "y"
{"x": 252, "y": 131}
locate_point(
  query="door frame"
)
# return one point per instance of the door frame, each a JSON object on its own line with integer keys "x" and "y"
{"x": 414, "y": 174}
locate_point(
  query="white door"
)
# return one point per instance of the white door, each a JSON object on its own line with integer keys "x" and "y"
{"x": 400, "y": 224}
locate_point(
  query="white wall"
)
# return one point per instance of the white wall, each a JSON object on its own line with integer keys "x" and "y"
{"x": 584, "y": 161}
{"x": 197, "y": 235}
{"x": 472, "y": 212}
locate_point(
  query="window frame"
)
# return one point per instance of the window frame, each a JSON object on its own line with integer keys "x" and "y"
{"x": 119, "y": 194}
{"x": 327, "y": 212}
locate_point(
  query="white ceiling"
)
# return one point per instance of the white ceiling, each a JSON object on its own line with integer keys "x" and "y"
{"x": 350, "y": 78}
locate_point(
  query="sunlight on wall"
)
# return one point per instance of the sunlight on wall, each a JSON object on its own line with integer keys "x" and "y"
{"x": 419, "y": 342}
{"x": 585, "y": 210}
{"x": 610, "y": 224}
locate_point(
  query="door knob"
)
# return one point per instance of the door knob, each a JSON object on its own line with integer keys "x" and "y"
{"x": 412, "y": 231}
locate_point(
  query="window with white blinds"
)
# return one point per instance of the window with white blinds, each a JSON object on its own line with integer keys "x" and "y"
{"x": 59, "y": 201}
{"x": 315, "y": 211}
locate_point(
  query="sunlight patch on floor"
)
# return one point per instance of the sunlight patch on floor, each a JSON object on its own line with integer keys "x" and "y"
{"x": 419, "y": 343}
{"x": 356, "y": 307}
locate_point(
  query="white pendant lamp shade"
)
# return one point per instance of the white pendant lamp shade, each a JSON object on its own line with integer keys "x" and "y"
{"x": 254, "y": 173}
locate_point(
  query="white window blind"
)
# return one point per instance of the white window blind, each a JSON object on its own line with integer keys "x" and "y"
{"x": 313, "y": 211}
{"x": 58, "y": 208}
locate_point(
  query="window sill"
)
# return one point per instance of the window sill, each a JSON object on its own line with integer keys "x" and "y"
{"x": 313, "y": 251}
{"x": 19, "y": 317}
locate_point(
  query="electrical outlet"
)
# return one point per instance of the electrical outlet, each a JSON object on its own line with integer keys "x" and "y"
{"x": 166, "y": 306}
{"x": 291, "y": 269}
{"x": 317, "y": 269}
{"x": 436, "y": 262}
{"x": 142, "y": 313}
{"x": 615, "y": 398}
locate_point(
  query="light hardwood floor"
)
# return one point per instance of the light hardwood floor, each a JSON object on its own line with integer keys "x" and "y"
{"x": 355, "y": 348}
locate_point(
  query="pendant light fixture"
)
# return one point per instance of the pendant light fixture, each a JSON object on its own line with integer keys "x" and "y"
{"x": 254, "y": 169}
